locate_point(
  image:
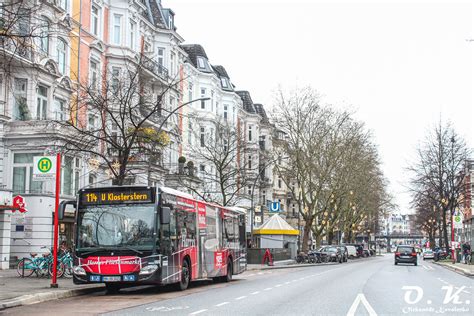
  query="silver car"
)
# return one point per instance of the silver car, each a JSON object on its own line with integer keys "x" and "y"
{"x": 428, "y": 254}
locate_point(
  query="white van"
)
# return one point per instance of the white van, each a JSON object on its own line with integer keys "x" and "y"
{"x": 352, "y": 251}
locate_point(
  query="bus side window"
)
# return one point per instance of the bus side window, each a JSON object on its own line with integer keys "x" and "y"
{"x": 242, "y": 240}
{"x": 170, "y": 234}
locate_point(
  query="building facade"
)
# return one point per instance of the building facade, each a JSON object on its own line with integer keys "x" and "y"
{"x": 74, "y": 47}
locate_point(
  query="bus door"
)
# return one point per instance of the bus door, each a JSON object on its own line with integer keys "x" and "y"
{"x": 169, "y": 247}
{"x": 210, "y": 247}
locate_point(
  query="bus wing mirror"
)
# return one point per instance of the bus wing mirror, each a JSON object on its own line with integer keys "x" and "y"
{"x": 62, "y": 208}
{"x": 165, "y": 215}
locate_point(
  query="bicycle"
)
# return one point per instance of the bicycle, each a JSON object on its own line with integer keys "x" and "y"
{"x": 36, "y": 264}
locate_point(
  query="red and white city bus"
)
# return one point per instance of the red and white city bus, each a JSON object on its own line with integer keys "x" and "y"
{"x": 129, "y": 235}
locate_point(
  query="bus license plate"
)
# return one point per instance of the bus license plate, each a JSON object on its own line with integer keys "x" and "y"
{"x": 111, "y": 279}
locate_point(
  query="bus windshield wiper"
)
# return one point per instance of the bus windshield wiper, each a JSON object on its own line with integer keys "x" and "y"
{"x": 93, "y": 251}
{"x": 131, "y": 248}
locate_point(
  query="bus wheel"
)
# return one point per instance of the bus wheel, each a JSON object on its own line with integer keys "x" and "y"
{"x": 112, "y": 288}
{"x": 185, "y": 276}
{"x": 228, "y": 276}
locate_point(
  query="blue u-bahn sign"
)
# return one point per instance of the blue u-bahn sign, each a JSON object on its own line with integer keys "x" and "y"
{"x": 275, "y": 207}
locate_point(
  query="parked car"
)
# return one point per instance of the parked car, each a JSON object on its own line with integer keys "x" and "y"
{"x": 406, "y": 254}
{"x": 345, "y": 253}
{"x": 352, "y": 251}
{"x": 333, "y": 252}
{"x": 428, "y": 254}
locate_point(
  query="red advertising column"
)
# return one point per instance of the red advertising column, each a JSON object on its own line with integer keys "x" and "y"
{"x": 56, "y": 224}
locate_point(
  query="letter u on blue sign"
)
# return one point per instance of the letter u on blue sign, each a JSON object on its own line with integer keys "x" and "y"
{"x": 275, "y": 207}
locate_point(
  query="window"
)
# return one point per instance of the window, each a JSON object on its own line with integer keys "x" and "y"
{"x": 202, "y": 168}
{"x": 203, "y": 95}
{"x": 201, "y": 63}
{"x": 226, "y": 145}
{"x": 20, "y": 109}
{"x": 41, "y": 102}
{"x": 23, "y": 174}
{"x": 61, "y": 52}
{"x": 170, "y": 21}
{"x": 190, "y": 91}
{"x": 95, "y": 20}
{"x": 279, "y": 183}
{"x": 59, "y": 109}
{"x": 94, "y": 75}
{"x": 190, "y": 133}
{"x": 173, "y": 63}
{"x": 249, "y": 190}
{"x": 23, "y": 21}
{"x": 250, "y": 133}
{"x": 115, "y": 78}
{"x": 92, "y": 179}
{"x": 203, "y": 136}
{"x": 264, "y": 197}
{"x": 161, "y": 56}
{"x": 225, "y": 112}
{"x": 212, "y": 100}
{"x": 224, "y": 83}
{"x": 91, "y": 122}
{"x": 71, "y": 172}
{"x": 64, "y": 4}
{"x": 44, "y": 35}
{"x": 117, "y": 29}
{"x": 250, "y": 161}
{"x": 133, "y": 27}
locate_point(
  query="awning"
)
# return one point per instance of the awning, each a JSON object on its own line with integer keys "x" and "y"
{"x": 275, "y": 225}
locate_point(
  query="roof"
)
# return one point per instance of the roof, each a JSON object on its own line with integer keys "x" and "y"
{"x": 247, "y": 101}
{"x": 275, "y": 225}
{"x": 260, "y": 110}
{"x": 156, "y": 13}
{"x": 220, "y": 71}
{"x": 194, "y": 51}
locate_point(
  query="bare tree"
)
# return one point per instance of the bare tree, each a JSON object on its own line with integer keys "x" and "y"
{"x": 327, "y": 151}
{"x": 123, "y": 121}
{"x": 437, "y": 173}
{"x": 222, "y": 174}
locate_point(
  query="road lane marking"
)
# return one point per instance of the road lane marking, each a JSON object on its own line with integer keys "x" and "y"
{"x": 278, "y": 285}
{"x": 240, "y": 298}
{"x": 287, "y": 282}
{"x": 360, "y": 298}
{"x": 255, "y": 293}
{"x": 221, "y": 304}
{"x": 198, "y": 312}
{"x": 268, "y": 289}
{"x": 260, "y": 273}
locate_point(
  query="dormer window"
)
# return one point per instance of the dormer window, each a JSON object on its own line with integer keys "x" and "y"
{"x": 170, "y": 22}
{"x": 201, "y": 63}
{"x": 224, "y": 83}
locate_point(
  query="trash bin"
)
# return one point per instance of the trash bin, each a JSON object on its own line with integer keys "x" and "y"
{"x": 458, "y": 255}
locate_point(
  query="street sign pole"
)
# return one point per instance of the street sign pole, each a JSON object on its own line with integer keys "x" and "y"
{"x": 56, "y": 222}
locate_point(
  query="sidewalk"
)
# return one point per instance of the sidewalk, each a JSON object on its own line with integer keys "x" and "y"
{"x": 16, "y": 291}
{"x": 460, "y": 268}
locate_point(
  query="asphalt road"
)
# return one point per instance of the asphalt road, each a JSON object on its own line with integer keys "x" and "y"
{"x": 373, "y": 286}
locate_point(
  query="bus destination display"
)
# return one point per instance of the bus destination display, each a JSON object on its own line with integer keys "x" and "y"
{"x": 117, "y": 196}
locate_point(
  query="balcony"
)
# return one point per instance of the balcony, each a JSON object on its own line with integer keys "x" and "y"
{"x": 155, "y": 68}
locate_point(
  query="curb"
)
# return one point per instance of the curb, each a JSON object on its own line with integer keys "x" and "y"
{"x": 302, "y": 265}
{"x": 47, "y": 296}
{"x": 456, "y": 269}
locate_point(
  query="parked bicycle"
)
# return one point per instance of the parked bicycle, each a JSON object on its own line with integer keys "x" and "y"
{"x": 40, "y": 265}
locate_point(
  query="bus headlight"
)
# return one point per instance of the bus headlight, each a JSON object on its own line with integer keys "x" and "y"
{"x": 79, "y": 271}
{"x": 149, "y": 269}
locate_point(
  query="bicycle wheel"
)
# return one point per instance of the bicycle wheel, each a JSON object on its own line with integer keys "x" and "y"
{"x": 59, "y": 267}
{"x": 25, "y": 267}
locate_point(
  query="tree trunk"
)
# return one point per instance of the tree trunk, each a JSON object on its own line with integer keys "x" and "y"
{"x": 307, "y": 231}
{"x": 445, "y": 231}
{"x": 330, "y": 236}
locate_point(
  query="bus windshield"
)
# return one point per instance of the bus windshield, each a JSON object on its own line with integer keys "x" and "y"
{"x": 114, "y": 226}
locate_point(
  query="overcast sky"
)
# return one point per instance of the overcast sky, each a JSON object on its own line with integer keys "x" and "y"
{"x": 402, "y": 65}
